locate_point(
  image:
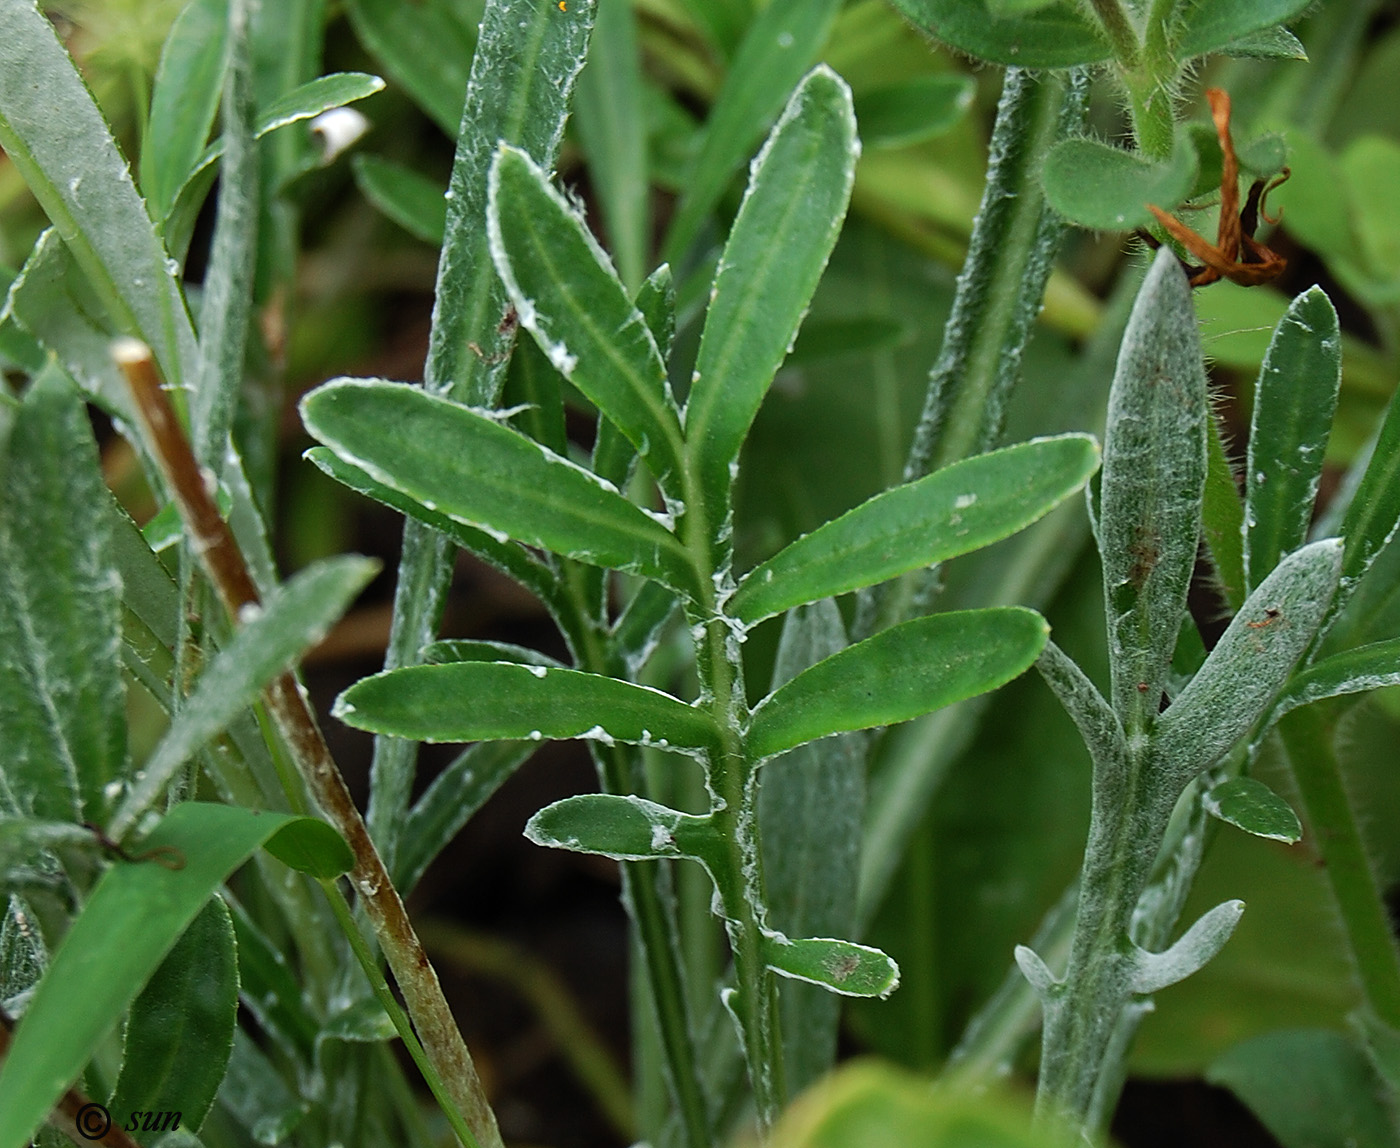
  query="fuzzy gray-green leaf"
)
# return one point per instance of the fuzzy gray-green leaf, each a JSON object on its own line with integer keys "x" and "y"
{"x": 791, "y": 214}
{"x": 1293, "y": 405}
{"x": 478, "y": 701}
{"x": 1153, "y": 972}
{"x": 955, "y": 510}
{"x": 1153, "y": 473}
{"x": 622, "y": 827}
{"x": 900, "y": 673}
{"x": 1249, "y": 664}
{"x": 62, "y": 708}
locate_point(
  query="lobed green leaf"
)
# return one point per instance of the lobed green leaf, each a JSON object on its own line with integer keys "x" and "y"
{"x": 625, "y": 828}
{"x": 960, "y": 508}
{"x": 788, "y": 222}
{"x": 900, "y": 673}
{"x": 479, "y": 701}
{"x": 476, "y": 471}
{"x": 1293, "y": 405}
{"x": 841, "y": 966}
{"x": 1056, "y": 35}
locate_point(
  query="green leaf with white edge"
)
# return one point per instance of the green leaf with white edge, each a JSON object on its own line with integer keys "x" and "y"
{"x": 1248, "y": 804}
{"x": 411, "y": 200}
{"x": 1294, "y": 400}
{"x": 179, "y": 1032}
{"x": 62, "y": 704}
{"x": 479, "y": 701}
{"x": 1059, "y": 35}
{"x": 80, "y": 179}
{"x": 470, "y": 467}
{"x": 953, "y": 511}
{"x": 425, "y": 48}
{"x": 570, "y": 299}
{"x": 184, "y": 100}
{"x": 270, "y": 638}
{"x": 841, "y": 966}
{"x": 780, "y": 45}
{"x": 470, "y": 650}
{"x": 131, "y": 920}
{"x": 1153, "y": 972}
{"x": 798, "y": 191}
{"x": 309, "y": 100}
{"x": 1364, "y": 668}
{"x": 507, "y": 557}
{"x": 451, "y": 801}
{"x": 1216, "y": 25}
{"x": 1154, "y": 470}
{"x": 1250, "y": 663}
{"x": 914, "y": 110}
{"x": 900, "y": 673}
{"x": 611, "y": 123}
{"x": 623, "y": 827}
{"x": 1097, "y": 185}
{"x": 1311, "y": 1088}
{"x": 1270, "y": 44}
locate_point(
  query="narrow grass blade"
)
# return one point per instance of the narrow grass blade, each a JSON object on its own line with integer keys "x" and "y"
{"x": 466, "y": 465}
{"x": 955, "y": 510}
{"x": 184, "y": 100}
{"x": 1153, "y": 472}
{"x": 1293, "y": 405}
{"x": 623, "y": 827}
{"x": 780, "y": 45}
{"x": 611, "y": 123}
{"x": 900, "y": 673}
{"x": 411, "y": 200}
{"x": 62, "y": 705}
{"x": 180, "y": 1030}
{"x": 480, "y": 701}
{"x": 132, "y": 919}
{"x": 81, "y": 181}
{"x": 1249, "y": 664}
{"x": 838, "y": 966}
{"x": 791, "y": 214}
{"x": 292, "y": 619}
{"x": 570, "y": 299}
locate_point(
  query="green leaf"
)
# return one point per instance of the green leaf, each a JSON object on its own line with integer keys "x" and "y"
{"x": 811, "y": 808}
{"x": 467, "y": 650}
{"x": 477, "y": 701}
{"x": 1293, "y": 405}
{"x": 81, "y": 181}
{"x": 1216, "y": 25}
{"x": 413, "y": 201}
{"x": 364, "y": 1021}
{"x": 184, "y": 100}
{"x": 466, "y": 465}
{"x": 570, "y": 299}
{"x": 62, "y": 705}
{"x": 1311, "y": 1088}
{"x": 507, "y": 557}
{"x": 914, "y": 110}
{"x": 786, "y": 227}
{"x": 841, "y": 966}
{"x": 1099, "y": 186}
{"x": 1270, "y": 44}
{"x": 1060, "y": 35}
{"x": 270, "y": 989}
{"x": 900, "y": 673}
{"x": 1249, "y": 664}
{"x": 426, "y": 48}
{"x": 451, "y": 801}
{"x": 131, "y": 920}
{"x": 1372, "y": 165}
{"x": 1249, "y": 804}
{"x": 1369, "y": 667}
{"x": 955, "y": 510}
{"x": 294, "y": 618}
{"x": 180, "y": 1030}
{"x": 1153, "y": 472}
{"x": 312, "y": 846}
{"x": 1374, "y": 513}
{"x": 611, "y": 123}
{"x": 310, "y": 99}
{"x": 780, "y": 45}
{"x": 624, "y": 828}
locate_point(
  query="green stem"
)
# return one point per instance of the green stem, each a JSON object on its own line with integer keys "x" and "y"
{"x": 1118, "y": 26}
{"x": 1308, "y": 736}
{"x": 1149, "y": 76}
{"x": 370, "y": 964}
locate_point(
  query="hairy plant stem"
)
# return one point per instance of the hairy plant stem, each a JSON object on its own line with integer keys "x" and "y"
{"x": 1308, "y": 735}
{"x": 290, "y": 710}
{"x": 1149, "y": 74}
